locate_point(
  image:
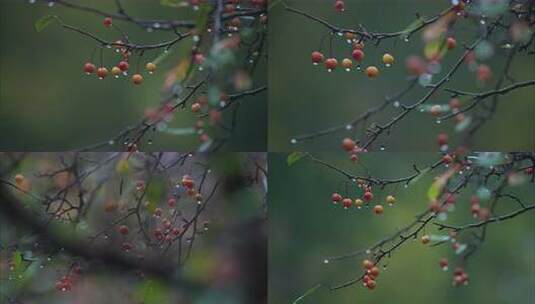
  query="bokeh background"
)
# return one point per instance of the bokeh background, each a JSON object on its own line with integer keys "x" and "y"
{"x": 306, "y": 98}
{"x": 48, "y": 104}
{"x": 305, "y": 228}
{"x": 228, "y": 259}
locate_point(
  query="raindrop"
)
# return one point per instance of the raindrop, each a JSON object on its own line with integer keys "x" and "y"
{"x": 349, "y": 127}
{"x": 439, "y": 121}
{"x": 382, "y": 148}
{"x": 326, "y": 261}
{"x": 396, "y": 104}
{"x": 293, "y": 141}
{"x": 51, "y": 3}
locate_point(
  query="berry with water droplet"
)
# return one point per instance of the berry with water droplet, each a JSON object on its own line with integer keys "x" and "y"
{"x": 425, "y": 239}
{"x": 317, "y": 57}
{"x": 378, "y": 209}
{"x": 339, "y": 5}
{"x": 89, "y": 68}
{"x": 107, "y": 22}
{"x": 372, "y": 72}
{"x": 102, "y": 72}
{"x": 347, "y": 202}
{"x": 348, "y": 144}
{"x": 331, "y": 63}
{"x": 123, "y": 65}
{"x": 336, "y": 198}
{"x": 151, "y": 67}
{"x": 347, "y": 63}
{"x": 388, "y": 59}
{"x": 137, "y": 79}
{"x": 358, "y": 54}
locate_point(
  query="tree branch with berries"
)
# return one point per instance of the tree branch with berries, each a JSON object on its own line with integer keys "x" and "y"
{"x": 499, "y": 26}
{"x": 140, "y": 215}
{"x": 476, "y": 183}
{"x": 227, "y": 40}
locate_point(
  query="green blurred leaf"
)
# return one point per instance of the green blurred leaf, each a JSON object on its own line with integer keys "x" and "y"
{"x": 180, "y": 131}
{"x": 434, "y": 190}
{"x": 16, "y": 260}
{"x": 153, "y": 292}
{"x": 44, "y": 21}
{"x": 435, "y": 49}
{"x": 307, "y": 293}
{"x": 294, "y": 157}
{"x": 155, "y": 193}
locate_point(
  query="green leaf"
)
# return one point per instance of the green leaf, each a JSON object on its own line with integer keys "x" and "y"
{"x": 153, "y": 292}
{"x": 16, "y": 260}
{"x": 156, "y": 191}
{"x": 44, "y": 21}
{"x": 294, "y": 157}
{"x": 434, "y": 190}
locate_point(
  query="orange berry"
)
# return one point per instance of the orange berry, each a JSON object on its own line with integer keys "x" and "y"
{"x": 137, "y": 79}
{"x": 372, "y": 72}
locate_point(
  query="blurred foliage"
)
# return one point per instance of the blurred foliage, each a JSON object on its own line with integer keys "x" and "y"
{"x": 30, "y": 265}
{"x": 306, "y": 228}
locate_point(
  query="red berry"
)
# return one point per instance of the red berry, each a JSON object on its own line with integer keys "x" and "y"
{"x": 123, "y": 65}
{"x": 443, "y": 263}
{"x": 123, "y": 229}
{"x": 354, "y": 157}
{"x": 187, "y": 182}
{"x": 367, "y": 264}
{"x": 372, "y": 72}
{"x": 368, "y": 196}
{"x": 317, "y": 57}
{"x": 339, "y": 5}
{"x": 371, "y": 284}
{"x": 455, "y": 103}
{"x": 374, "y": 272}
{"x": 358, "y": 55}
{"x": 102, "y": 72}
{"x": 447, "y": 159}
{"x": 126, "y": 246}
{"x": 442, "y": 139}
{"x": 331, "y": 63}
{"x": 107, "y": 22}
{"x": 451, "y": 43}
{"x": 347, "y": 202}
{"x": 89, "y": 68}
{"x": 336, "y": 197}
{"x": 528, "y": 171}
{"x": 484, "y": 73}
{"x": 348, "y": 144}
{"x": 171, "y": 202}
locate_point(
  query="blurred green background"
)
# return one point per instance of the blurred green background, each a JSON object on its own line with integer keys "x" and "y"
{"x": 306, "y": 98}
{"x": 305, "y": 228}
{"x": 48, "y": 104}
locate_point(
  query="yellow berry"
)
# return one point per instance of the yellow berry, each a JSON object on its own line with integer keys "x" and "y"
{"x": 388, "y": 59}
{"x": 425, "y": 239}
{"x": 19, "y": 178}
{"x": 391, "y": 200}
{"x": 137, "y": 79}
{"x": 151, "y": 67}
{"x": 347, "y": 63}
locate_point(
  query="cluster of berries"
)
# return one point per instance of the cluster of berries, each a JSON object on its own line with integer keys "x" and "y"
{"x": 371, "y": 273}
{"x": 357, "y": 54}
{"x": 66, "y": 282}
{"x": 359, "y": 202}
